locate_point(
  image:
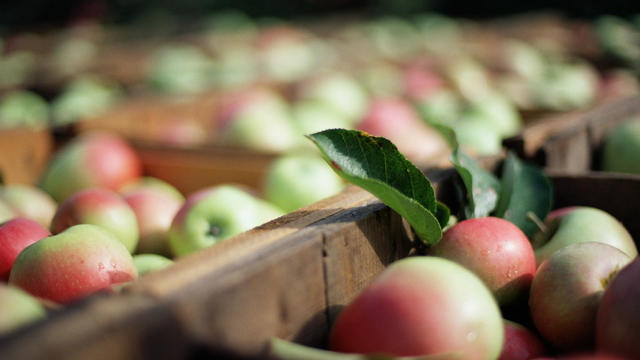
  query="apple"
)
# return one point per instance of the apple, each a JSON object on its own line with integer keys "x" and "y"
{"x": 146, "y": 263}
{"x": 582, "y": 224}
{"x": 477, "y": 136}
{"x": 15, "y": 235}
{"x": 6, "y": 212}
{"x": 93, "y": 159}
{"x": 214, "y": 214}
{"x": 520, "y": 343}
{"x": 421, "y": 81}
{"x": 396, "y": 120}
{"x": 258, "y": 118}
{"x": 22, "y": 108}
{"x": 155, "y": 204}
{"x": 620, "y": 148}
{"x": 339, "y": 91}
{"x": 566, "y": 292}
{"x": 101, "y": 207}
{"x": 498, "y": 112}
{"x": 618, "y": 319}
{"x": 77, "y": 262}
{"x": 180, "y": 69}
{"x": 496, "y": 250}
{"x": 30, "y": 202}
{"x": 296, "y": 180}
{"x": 311, "y": 116}
{"x": 18, "y": 309}
{"x": 85, "y": 97}
{"x": 419, "y": 306}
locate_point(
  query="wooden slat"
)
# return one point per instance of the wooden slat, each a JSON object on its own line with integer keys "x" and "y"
{"x": 24, "y": 154}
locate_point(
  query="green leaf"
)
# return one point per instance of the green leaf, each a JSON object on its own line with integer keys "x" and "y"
{"x": 482, "y": 187}
{"x": 525, "y": 188}
{"x": 376, "y": 165}
{"x": 442, "y": 214}
{"x": 286, "y": 350}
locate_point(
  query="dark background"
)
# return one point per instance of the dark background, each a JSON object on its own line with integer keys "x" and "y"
{"x": 29, "y": 14}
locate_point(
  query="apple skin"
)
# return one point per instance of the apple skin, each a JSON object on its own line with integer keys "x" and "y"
{"x": 15, "y": 235}
{"x": 566, "y": 292}
{"x": 495, "y": 250}
{"x": 621, "y": 147}
{"x": 213, "y": 214}
{"x": 18, "y": 309}
{"x": 582, "y": 224}
{"x": 80, "y": 261}
{"x": 339, "y": 91}
{"x": 296, "y": 180}
{"x": 618, "y": 319}
{"x": 154, "y": 207}
{"x": 30, "y": 202}
{"x": 96, "y": 159}
{"x": 146, "y": 263}
{"x": 100, "y": 207}
{"x": 414, "y": 308}
{"x": 520, "y": 343}
{"x": 6, "y": 212}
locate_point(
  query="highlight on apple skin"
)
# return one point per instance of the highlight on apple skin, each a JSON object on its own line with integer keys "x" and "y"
{"x": 419, "y": 306}
{"x": 78, "y": 262}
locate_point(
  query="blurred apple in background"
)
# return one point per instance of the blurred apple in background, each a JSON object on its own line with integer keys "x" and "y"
{"x": 258, "y": 118}
{"x": 311, "y": 116}
{"x": 93, "y": 159}
{"x": 100, "y": 207}
{"x": 214, "y": 214}
{"x": 22, "y": 108}
{"x": 296, "y": 180}
{"x": 6, "y": 212}
{"x": 396, "y": 120}
{"x": 180, "y": 69}
{"x": 582, "y": 224}
{"x": 15, "y": 235}
{"x": 146, "y": 263}
{"x": 79, "y": 261}
{"x": 339, "y": 91}
{"x": 30, "y": 202}
{"x": 17, "y": 309}
{"x": 381, "y": 79}
{"x": 87, "y": 96}
{"x": 618, "y": 319}
{"x": 621, "y": 147}
{"x": 155, "y": 204}
{"x": 567, "y": 289}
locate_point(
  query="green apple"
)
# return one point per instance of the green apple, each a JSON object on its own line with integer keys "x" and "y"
{"x": 297, "y": 180}
{"x": 146, "y": 263}
{"x": 23, "y": 108}
{"x": 498, "y": 112}
{"x": 180, "y": 69}
{"x": 477, "y": 136}
{"x": 442, "y": 107}
{"x": 215, "y": 214}
{"x": 18, "y": 309}
{"x": 311, "y": 116}
{"x": 83, "y": 98}
{"x": 621, "y": 148}
{"x": 582, "y": 224}
{"x": 341, "y": 92}
{"x": 30, "y": 202}
{"x": 567, "y": 86}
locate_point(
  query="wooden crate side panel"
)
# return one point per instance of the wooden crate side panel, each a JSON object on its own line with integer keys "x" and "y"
{"x": 24, "y": 155}
{"x": 570, "y": 152}
{"x": 102, "y": 327}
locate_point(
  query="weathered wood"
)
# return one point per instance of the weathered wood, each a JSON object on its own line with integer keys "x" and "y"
{"x": 24, "y": 154}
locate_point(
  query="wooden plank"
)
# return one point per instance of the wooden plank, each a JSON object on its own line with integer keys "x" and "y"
{"x": 24, "y": 154}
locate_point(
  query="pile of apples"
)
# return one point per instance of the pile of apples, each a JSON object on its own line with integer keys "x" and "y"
{"x": 486, "y": 291}
{"x": 95, "y": 223}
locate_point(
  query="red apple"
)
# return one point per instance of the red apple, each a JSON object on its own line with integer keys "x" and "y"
{"x": 79, "y": 261}
{"x": 420, "y": 306}
{"x": 520, "y": 343}
{"x": 566, "y": 291}
{"x": 155, "y": 207}
{"x": 101, "y": 207}
{"x": 494, "y": 249}
{"x": 396, "y": 120}
{"x": 618, "y": 318}
{"x": 29, "y": 202}
{"x": 15, "y": 235}
{"x": 96, "y": 159}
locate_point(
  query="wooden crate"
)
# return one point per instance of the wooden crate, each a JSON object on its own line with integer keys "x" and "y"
{"x": 571, "y": 141}
{"x": 24, "y": 154}
{"x": 288, "y": 278}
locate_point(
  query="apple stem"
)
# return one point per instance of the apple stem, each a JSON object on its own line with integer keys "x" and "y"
{"x": 536, "y": 220}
